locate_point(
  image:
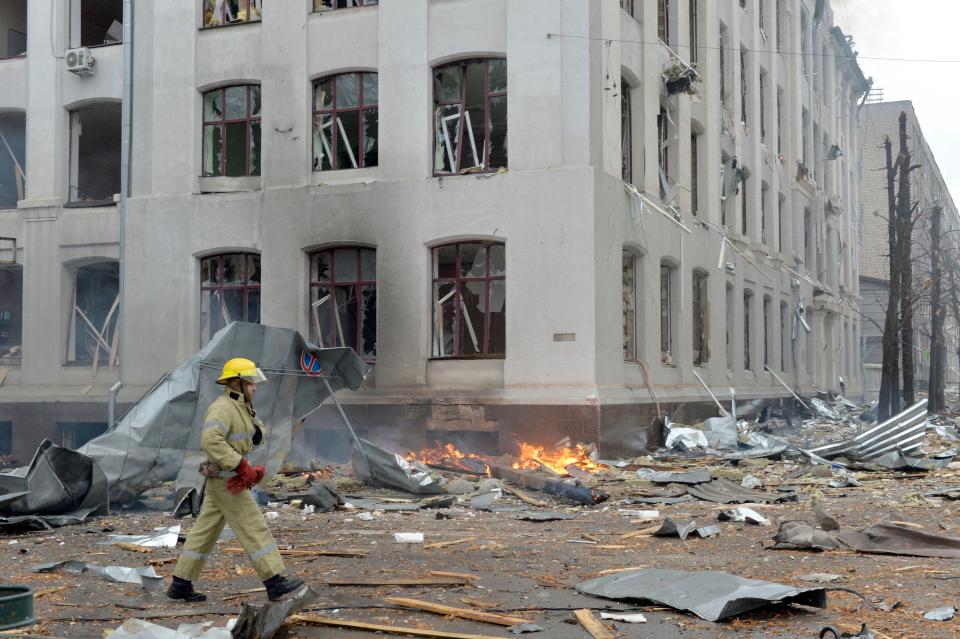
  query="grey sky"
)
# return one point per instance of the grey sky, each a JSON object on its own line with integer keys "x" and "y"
{"x": 914, "y": 29}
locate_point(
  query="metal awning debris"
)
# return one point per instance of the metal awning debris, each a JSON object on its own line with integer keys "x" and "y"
{"x": 724, "y": 491}
{"x": 883, "y": 538}
{"x": 710, "y": 595}
{"x": 145, "y": 576}
{"x": 903, "y": 432}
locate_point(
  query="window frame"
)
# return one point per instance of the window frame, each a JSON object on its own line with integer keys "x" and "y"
{"x": 626, "y": 132}
{"x": 358, "y": 284}
{"x": 362, "y": 4}
{"x": 747, "y": 355}
{"x": 667, "y": 315}
{"x": 627, "y": 5}
{"x": 700, "y": 306}
{"x": 222, "y": 123}
{"x": 629, "y": 305}
{"x": 246, "y": 286}
{"x": 458, "y": 280}
{"x": 462, "y": 101}
{"x": 246, "y": 3}
{"x": 362, "y": 108}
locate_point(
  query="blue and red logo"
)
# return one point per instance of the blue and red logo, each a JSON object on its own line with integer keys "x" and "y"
{"x": 310, "y": 365}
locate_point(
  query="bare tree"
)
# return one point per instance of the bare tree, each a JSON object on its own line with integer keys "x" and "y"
{"x": 905, "y": 209}
{"x": 889, "y": 401}
{"x": 938, "y": 348}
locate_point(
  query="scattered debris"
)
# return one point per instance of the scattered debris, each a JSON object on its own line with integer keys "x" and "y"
{"x": 140, "y": 629}
{"x": 710, "y": 595}
{"x": 941, "y": 614}
{"x": 624, "y": 617}
{"x": 742, "y": 513}
{"x": 408, "y": 537}
{"x": 820, "y": 578}
{"x": 162, "y": 538}
{"x": 462, "y": 613}
{"x": 724, "y": 491}
{"x": 145, "y": 576}
{"x": 318, "y": 620}
{"x": 883, "y": 538}
{"x": 544, "y": 516}
{"x": 664, "y": 477}
{"x": 592, "y": 625}
{"x": 263, "y": 621}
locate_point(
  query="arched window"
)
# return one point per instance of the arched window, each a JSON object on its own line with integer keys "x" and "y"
{"x": 231, "y": 131}
{"x": 229, "y": 291}
{"x": 345, "y": 121}
{"x": 469, "y": 300}
{"x": 470, "y": 116}
{"x": 343, "y": 299}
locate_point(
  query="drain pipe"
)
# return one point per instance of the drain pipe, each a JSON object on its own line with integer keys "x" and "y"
{"x": 125, "y": 135}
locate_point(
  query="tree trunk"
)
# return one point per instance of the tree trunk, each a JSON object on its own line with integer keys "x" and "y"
{"x": 905, "y": 265}
{"x": 889, "y": 403}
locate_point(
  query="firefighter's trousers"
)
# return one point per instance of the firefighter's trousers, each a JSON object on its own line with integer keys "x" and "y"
{"x": 241, "y": 513}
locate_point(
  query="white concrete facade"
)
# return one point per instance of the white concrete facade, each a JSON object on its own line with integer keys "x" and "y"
{"x": 561, "y": 208}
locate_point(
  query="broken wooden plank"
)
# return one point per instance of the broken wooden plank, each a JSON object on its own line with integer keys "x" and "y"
{"x": 444, "y": 544}
{"x": 592, "y": 624}
{"x": 132, "y": 547}
{"x": 289, "y": 552}
{"x": 398, "y": 581}
{"x": 522, "y": 496}
{"x": 450, "y": 611}
{"x": 163, "y": 561}
{"x": 459, "y": 575}
{"x": 43, "y": 592}
{"x": 319, "y": 620}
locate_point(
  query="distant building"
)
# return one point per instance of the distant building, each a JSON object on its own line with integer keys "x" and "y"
{"x": 537, "y": 219}
{"x": 927, "y": 189}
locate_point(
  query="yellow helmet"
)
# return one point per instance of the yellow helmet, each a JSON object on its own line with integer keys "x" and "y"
{"x": 242, "y": 368}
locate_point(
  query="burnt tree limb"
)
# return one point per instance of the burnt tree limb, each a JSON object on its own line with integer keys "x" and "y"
{"x": 573, "y": 492}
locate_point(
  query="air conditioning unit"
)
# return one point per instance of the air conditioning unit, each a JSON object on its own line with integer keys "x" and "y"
{"x": 80, "y": 61}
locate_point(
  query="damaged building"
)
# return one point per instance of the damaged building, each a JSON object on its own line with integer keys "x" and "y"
{"x": 582, "y": 208}
{"x": 929, "y": 190}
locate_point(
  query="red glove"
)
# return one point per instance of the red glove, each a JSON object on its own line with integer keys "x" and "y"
{"x": 247, "y": 476}
{"x": 235, "y": 485}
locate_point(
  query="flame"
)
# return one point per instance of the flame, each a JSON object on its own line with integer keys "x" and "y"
{"x": 533, "y": 457}
{"x": 452, "y": 457}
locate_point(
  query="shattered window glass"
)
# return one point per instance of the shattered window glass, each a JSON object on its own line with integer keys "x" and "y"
{"x": 470, "y": 116}
{"x": 11, "y": 315}
{"x": 345, "y": 122}
{"x": 220, "y": 12}
{"x": 627, "y": 5}
{"x": 343, "y": 299}
{"x": 626, "y": 142}
{"x": 231, "y": 131}
{"x": 92, "y": 326}
{"x": 747, "y": 363}
{"x": 701, "y": 317}
{"x": 329, "y": 5}
{"x": 469, "y": 300}
{"x": 229, "y": 291}
{"x": 666, "y": 319}
{"x": 629, "y": 307}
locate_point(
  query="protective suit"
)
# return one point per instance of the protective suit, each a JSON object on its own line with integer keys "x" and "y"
{"x": 229, "y": 433}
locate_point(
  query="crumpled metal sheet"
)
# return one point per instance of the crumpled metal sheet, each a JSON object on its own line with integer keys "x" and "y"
{"x": 685, "y": 438}
{"x": 896, "y": 460}
{"x": 162, "y": 538}
{"x": 742, "y": 513}
{"x": 60, "y": 486}
{"x": 159, "y": 438}
{"x": 140, "y": 629}
{"x": 378, "y": 467}
{"x": 721, "y": 433}
{"x": 698, "y": 476}
{"x": 262, "y": 622}
{"x": 724, "y": 491}
{"x": 883, "y": 538}
{"x": 145, "y": 576}
{"x": 903, "y": 432}
{"x": 710, "y": 595}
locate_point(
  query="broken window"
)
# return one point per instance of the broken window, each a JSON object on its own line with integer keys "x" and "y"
{"x": 12, "y": 159}
{"x": 781, "y": 27}
{"x": 92, "y": 322}
{"x": 663, "y": 20}
{"x": 744, "y": 86}
{"x": 785, "y": 339}
{"x": 747, "y": 299}
{"x": 731, "y": 297}
{"x": 724, "y": 190}
{"x": 666, "y": 313}
{"x": 470, "y": 116}
{"x": 694, "y": 27}
{"x": 779, "y": 121}
{"x": 808, "y": 239}
{"x": 663, "y": 152}
{"x": 809, "y": 342}
{"x": 781, "y": 221}
{"x": 805, "y": 141}
{"x": 627, "y": 5}
{"x": 744, "y": 223}
{"x": 763, "y": 107}
{"x": 694, "y": 174}
{"x": 94, "y": 154}
{"x": 767, "y": 328}
{"x": 11, "y": 314}
{"x": 345, "y": 120}
{"x": 229, "y": 291}
{"x": 760, "y": 16}
{"x": 626, "y": 136}
{"x": 764, "y": 225}
{"x": 469, "y": 300}
{"x": 804, "y": 42}
{"x": 13, "y": 28}
{"x": 73, "y": 435}
{"x": 701, "y": 319}
{"x": 629, "y": 307}
{"x": 343, "y": 299}
{"x": 231, "y": 131}
{"x": 94, "y": 23}
{"x": 329, "y": 5}
{"x": 723, "y": 65}
{"x": 220, "y": 12}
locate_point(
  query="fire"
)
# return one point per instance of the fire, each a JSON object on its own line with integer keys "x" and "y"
{"x": 533, "y": 457}
{"x": 450, "y": 456}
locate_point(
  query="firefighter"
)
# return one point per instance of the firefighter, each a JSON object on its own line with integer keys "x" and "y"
{"x": 230, "y": 430}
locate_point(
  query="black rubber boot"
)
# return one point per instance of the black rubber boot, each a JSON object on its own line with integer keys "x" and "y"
{"x": 183, "y": 589}
{"x": 278, "y": 586}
